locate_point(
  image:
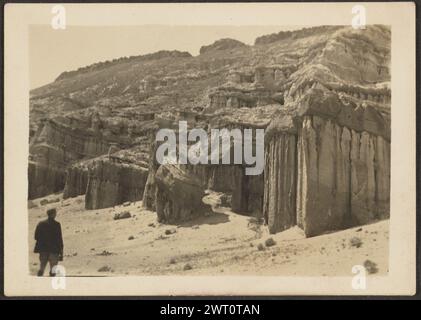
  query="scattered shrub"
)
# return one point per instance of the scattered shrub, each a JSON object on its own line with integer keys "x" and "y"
{"x": 370, "y": 266}
{"x": 122, "y": 215}
{"x": 355, "y": 242}
{"x": 270, "y": 242}
{"x": 105, "y": 269}
{"x": 187, "y": 267}
{"x": 170, "y": 231}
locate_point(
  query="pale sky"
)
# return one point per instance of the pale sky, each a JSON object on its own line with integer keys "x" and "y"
{"x": 54, "y": 51}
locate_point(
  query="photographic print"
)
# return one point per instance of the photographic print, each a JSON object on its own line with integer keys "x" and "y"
{"x": 214, "y": 150}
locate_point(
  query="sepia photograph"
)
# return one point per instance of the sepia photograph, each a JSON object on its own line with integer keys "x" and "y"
{"x": 211, "y": 149}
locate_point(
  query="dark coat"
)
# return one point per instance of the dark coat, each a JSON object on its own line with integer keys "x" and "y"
{"x": 48, "y": 236}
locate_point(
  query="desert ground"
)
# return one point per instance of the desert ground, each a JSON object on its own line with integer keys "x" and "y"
{"x": 220, "y": 243}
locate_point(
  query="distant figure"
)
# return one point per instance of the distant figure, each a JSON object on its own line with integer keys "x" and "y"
{"x": 49, "y": 242}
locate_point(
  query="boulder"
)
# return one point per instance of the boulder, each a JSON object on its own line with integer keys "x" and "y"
{"x": 179, "y": 195}
{"x": 122, "y": 215}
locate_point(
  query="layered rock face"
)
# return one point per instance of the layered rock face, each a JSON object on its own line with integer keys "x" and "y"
{"x": 110, "y": 179}
{"x": 322, "y": 94}
{"x": 149, "y": 194}
{"x": 52, "y": 148}
{"x": 279, "y": 208}
{"x": 327, "y": 166}
{"x": 246, "y": 191}
{"x": 61, "y": 144}
{"x": 323, "y": 175}
{"x": 247, "y": 195}
{"x": 370, "y": 177}
{"x": 113, "y": 183}
{"x": 337, "y": 180}
{"x": 76, "y": 181}
{"x": 44, "y": 180}
{"x": 65, "y": 143}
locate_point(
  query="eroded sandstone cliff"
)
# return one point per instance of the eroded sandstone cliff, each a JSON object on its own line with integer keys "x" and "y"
{"x": 111, "y": 183}
{"x": 322, "y": 95}
{"x": 76, "y": 181}
{"x": 328, "y": 168}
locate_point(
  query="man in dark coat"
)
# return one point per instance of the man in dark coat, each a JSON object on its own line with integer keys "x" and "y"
{"x": 49, "y": 242}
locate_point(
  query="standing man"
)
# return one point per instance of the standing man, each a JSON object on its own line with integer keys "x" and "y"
{"x": 49, "y": 242}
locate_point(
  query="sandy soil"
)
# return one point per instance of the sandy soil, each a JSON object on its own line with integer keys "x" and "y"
{"x": 222, "y": 243}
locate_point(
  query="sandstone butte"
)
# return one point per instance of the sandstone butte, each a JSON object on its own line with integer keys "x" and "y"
{"x": 322, "y": 94}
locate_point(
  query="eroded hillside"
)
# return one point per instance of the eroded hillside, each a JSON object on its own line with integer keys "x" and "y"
{"x": 322, "y": 94}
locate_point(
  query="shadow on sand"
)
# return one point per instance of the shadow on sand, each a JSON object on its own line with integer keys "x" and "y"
{"x": 212, "y": 218}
